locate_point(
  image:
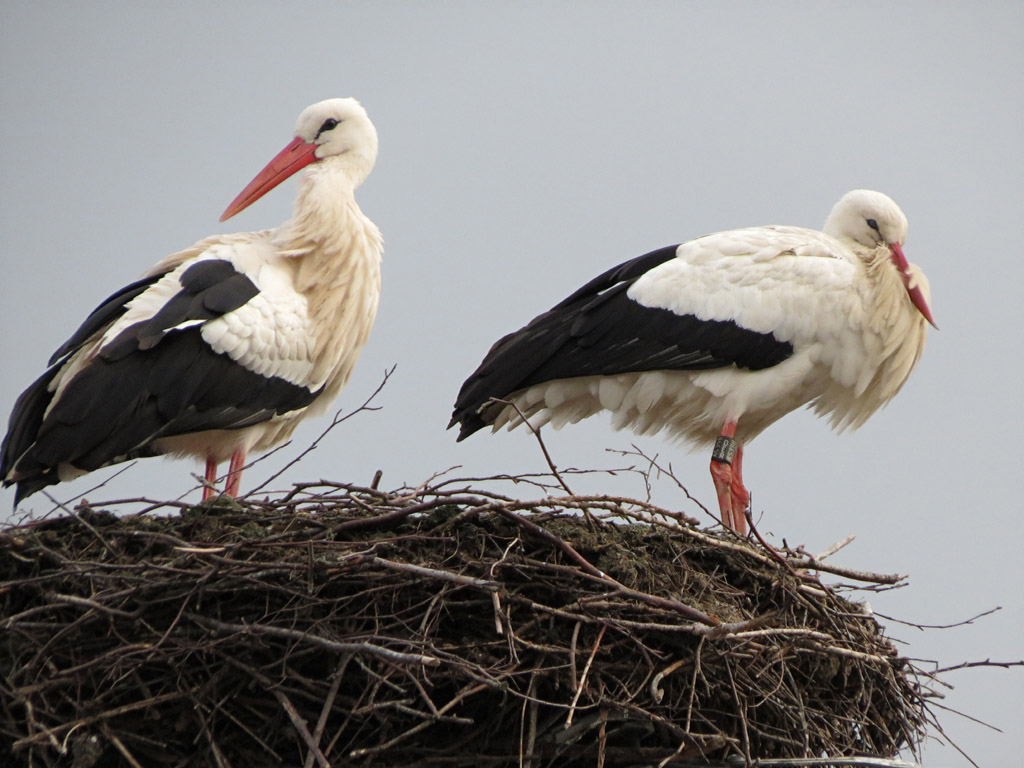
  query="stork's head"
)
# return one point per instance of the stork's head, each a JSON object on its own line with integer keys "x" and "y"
{"x": 873, "y": 220}
{"x": 334, "y": 130}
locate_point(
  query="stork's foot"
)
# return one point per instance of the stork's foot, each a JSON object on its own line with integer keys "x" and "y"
{"x": 721, "y": 474}
{"x": 219, "y": 503}
{"x": 234, "y": 481}
{"x": 733, "y": 498}
{"x": 210, "y": 487}
{"x": 234, "y": 477}
{"x": 740, "y": 503}
{"x": 726, "y": 472}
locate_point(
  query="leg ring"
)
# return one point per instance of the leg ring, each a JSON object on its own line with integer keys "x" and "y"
{"x": 725, "y": 449}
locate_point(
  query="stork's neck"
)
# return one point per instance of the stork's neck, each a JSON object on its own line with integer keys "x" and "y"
{"x": 336, "y": 253}
{"x": 892, "y": 319}
{"x": 327, "y": 221}
{"x": 886, "y": 294}
{"x": 335, "y": 248}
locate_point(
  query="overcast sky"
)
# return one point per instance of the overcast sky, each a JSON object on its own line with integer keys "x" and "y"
{"x": 525, "y": 148}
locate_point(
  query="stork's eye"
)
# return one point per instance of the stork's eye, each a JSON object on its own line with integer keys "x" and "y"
{"x": 328, "y": 125}
{"x": 874, "y": 225}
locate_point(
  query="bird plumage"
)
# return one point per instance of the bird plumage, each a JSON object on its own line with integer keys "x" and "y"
{"x": 734, "y": 328}
{"x": 224, "y": 347}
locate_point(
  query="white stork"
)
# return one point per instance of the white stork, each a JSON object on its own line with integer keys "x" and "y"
{"x": 223, "y": 348}
{"x": 715, "y": 339}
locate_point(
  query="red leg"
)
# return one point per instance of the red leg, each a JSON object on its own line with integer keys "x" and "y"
{"x": 210, "y": 489}
{"x": 721, "y": 474}
{"x": 721, "y": 471}
{"x": 235, "y": 472}
{"x": 740, "y": 495}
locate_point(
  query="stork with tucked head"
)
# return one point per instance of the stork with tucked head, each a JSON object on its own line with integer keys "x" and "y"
{"x": 715, "y": 339}
{"x": 220, "y": 349}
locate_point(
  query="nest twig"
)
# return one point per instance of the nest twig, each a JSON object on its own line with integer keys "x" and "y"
{"x": 339, "y": 625}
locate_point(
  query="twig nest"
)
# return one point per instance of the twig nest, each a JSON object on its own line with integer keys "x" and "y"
{"x": 454, "y": 629}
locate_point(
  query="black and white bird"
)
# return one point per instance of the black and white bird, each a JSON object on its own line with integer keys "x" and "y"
{"x": 223, "y": 348}
{"x": 715, "y": 339}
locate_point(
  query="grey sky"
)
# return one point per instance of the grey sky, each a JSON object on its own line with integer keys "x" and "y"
{"x": 526, "y": 147}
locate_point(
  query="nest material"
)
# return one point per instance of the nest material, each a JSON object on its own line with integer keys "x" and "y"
{"x": 439, "y": 628}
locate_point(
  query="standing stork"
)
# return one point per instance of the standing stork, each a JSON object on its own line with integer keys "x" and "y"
{"x": 715, "y": 339}
{"x": 223, "y": 348}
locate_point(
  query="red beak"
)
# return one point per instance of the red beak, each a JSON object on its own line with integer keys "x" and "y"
{"x": 289, "y": 161}
{"x": 916, "y": 297}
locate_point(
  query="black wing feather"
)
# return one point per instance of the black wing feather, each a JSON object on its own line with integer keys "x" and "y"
{"x": 209, "y": 289}
{"x": 104, "y": 315}
{"x": 600, "y": 331}
{"x": 27, "y": 414}
{"x": 157, "y": 378}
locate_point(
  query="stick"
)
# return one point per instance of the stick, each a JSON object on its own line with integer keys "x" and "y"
{"x": 338, "y": 419}
{"x": 583, "y": 677}
{"x": 326, "y": 710}
{"x": 291, "y": 634}
{"x": 434, "y": 573}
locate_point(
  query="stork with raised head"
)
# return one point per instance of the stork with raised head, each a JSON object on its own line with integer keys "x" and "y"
{"x": 715, "y": 339}
{"x": 220, "y": 349}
